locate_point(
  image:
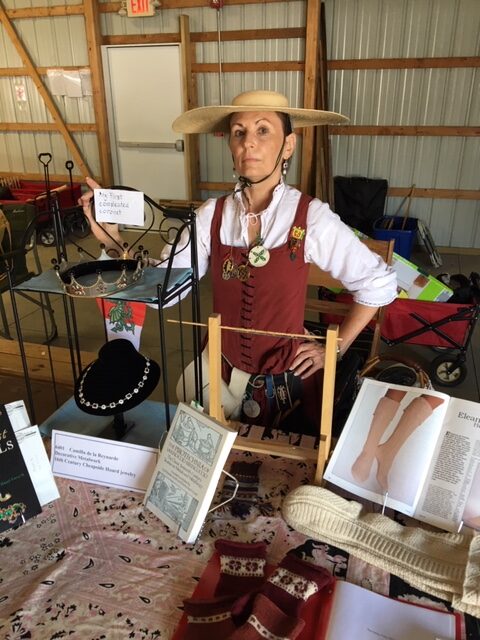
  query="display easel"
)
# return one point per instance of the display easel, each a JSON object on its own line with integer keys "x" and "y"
{"x": 268, "y": 447}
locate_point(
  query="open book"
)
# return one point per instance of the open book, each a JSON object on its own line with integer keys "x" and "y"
{"x": 186, "y": 476}
{"x": 414, "y": 450}
{"x": 362, "y": 614}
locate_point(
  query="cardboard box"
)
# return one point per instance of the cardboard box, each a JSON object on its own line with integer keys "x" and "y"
{"x": 417, "y": 284}
{"x": 413, "y": 282}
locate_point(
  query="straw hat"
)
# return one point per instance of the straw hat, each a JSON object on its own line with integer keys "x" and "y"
{"x": 217, "y": 118}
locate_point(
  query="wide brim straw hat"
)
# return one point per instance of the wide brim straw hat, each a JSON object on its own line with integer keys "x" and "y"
{"x": 215, "y": 119}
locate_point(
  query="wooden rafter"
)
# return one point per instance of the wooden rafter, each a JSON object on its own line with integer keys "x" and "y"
{"x": 43, "y": 91}
{"x": 189, "y": 101}
{"x": 413, "y": 130}
{"x": 45, "y": 126}
{"x": 310, "y": 92}
{"x": 405, "y": 63}
{"x": 94, "y": 41}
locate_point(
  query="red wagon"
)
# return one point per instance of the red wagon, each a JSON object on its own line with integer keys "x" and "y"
{"x": 447, "y": 326}
{"x": 34, "y": 192}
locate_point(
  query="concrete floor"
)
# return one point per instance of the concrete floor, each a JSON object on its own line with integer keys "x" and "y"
{"x": 91, "y": 333}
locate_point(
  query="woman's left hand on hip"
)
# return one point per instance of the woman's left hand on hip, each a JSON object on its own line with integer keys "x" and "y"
{"x": 310, "y": 357}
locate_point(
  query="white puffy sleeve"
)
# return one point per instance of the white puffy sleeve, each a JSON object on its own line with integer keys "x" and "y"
{"x": 333, "y": 247}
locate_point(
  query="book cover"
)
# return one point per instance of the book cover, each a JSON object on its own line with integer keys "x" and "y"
{"x": 18, "y": 498}
{"x": 414, "y": 450}
{"x": 186, "y": 476}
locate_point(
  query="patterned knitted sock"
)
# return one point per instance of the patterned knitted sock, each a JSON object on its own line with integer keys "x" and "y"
{"x": 247, "y": 495}
{"x": 268, "y": 621}
{"x": 293, "y": 582}
{"x": 242, "y": 567}
{"x": 208, "y": 619}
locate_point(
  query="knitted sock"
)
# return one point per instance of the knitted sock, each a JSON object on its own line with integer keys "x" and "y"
{"x": 208, "y": 619}
{"x": 382, "y": 416}
{"x": 437, "y": 563}
{"x": 242, "y": 567}
{"x": 293, "y": 582}
{"x": 247, "y": 495}
{"x": 268, "y": 621}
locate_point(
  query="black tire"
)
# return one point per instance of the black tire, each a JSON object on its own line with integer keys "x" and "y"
{"x": 447, "y": 371}
{"x": 80, "y": 228}
{"x": 46, "y": 237}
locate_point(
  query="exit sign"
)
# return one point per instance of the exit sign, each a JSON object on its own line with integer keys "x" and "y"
{"x": 140, "y": 8}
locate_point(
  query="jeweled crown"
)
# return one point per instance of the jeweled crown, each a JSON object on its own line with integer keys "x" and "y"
{"x": 102, "y": 277}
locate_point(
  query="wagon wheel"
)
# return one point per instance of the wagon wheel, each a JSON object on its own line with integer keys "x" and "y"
{"x": 46, "y": 236}
{"x": 447, "y": 371}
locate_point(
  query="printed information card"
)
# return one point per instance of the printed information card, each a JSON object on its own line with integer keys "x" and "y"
{"x": 107, "y": 462}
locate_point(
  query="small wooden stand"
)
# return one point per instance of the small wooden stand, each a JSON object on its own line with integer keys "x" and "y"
{"x": 265, "y": 446}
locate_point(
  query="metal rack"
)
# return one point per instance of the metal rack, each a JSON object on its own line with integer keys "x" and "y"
{"x": 160, "y": 286}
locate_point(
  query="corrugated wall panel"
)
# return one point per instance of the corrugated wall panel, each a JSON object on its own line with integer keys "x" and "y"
{"x": 355, "y": 29}
{"x": 401, "y": 28}
{"x": 409, "y": 97}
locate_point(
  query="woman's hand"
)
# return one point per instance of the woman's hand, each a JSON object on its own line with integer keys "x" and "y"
{"x": 106, "y": 233}
{"x": 309, "y": 359}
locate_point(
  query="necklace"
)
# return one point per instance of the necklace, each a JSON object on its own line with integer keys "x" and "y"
{"x": 258, "y": 255}
{"x": 114, "y": 404}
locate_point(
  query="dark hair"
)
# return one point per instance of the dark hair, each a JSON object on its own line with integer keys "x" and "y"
{"x": 287, "y": 123}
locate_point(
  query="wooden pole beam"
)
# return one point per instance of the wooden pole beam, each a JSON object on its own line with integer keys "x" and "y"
{"x": 43, "y": 91}
{"x": 94, "y": 41}
{"x": 309, "y": 94}
{"x": 189, "y": 101}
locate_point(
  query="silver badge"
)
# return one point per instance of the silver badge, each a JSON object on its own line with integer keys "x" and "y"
{"x": 251, "y": 408}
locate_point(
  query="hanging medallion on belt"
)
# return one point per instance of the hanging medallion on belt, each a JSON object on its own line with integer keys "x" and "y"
{"x": 251, "y": 408}
{"x": 258, "y": 256}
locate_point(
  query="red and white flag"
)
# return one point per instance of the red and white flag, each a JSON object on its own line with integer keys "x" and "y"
{"x": 123, "y": 319}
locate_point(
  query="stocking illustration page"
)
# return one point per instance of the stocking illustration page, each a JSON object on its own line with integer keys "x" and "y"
{"x": 414, "y": 450}
{"x": 186, "y": 476}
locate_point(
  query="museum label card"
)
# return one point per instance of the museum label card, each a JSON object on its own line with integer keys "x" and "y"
{"x": 107, "y": 462}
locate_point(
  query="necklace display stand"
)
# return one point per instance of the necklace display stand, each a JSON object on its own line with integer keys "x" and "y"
{"x": 159, "y": 286}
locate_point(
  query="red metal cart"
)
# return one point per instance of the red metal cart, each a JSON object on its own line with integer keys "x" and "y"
{"x": 446, "y": 326}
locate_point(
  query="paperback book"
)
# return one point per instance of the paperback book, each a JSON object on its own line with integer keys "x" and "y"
{"x": 18, "y": 498}
{"x": 188, "y": 470}
{"x": 414, "y": 450}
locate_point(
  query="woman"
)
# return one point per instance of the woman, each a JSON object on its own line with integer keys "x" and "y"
{"x": 259, "y": 241}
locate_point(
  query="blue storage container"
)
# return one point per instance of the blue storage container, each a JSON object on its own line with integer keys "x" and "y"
{"x": 399, "y": 229}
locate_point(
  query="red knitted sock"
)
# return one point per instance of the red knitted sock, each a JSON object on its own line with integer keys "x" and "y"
{"x": 208, "y": 619}
{"x": 242, "y": 567}
{"x": 268, "y": 621}
{"x": 293, "y": 582}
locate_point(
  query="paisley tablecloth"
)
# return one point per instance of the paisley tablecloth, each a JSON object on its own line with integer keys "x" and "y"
{"x": 95, "y": 564}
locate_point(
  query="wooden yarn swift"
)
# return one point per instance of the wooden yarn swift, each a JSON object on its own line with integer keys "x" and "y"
{"x": 268, "y": 447}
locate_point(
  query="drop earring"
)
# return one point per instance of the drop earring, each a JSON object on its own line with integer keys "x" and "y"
{"x": 234, "y": 175}
{"x": 284, "y": 167}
